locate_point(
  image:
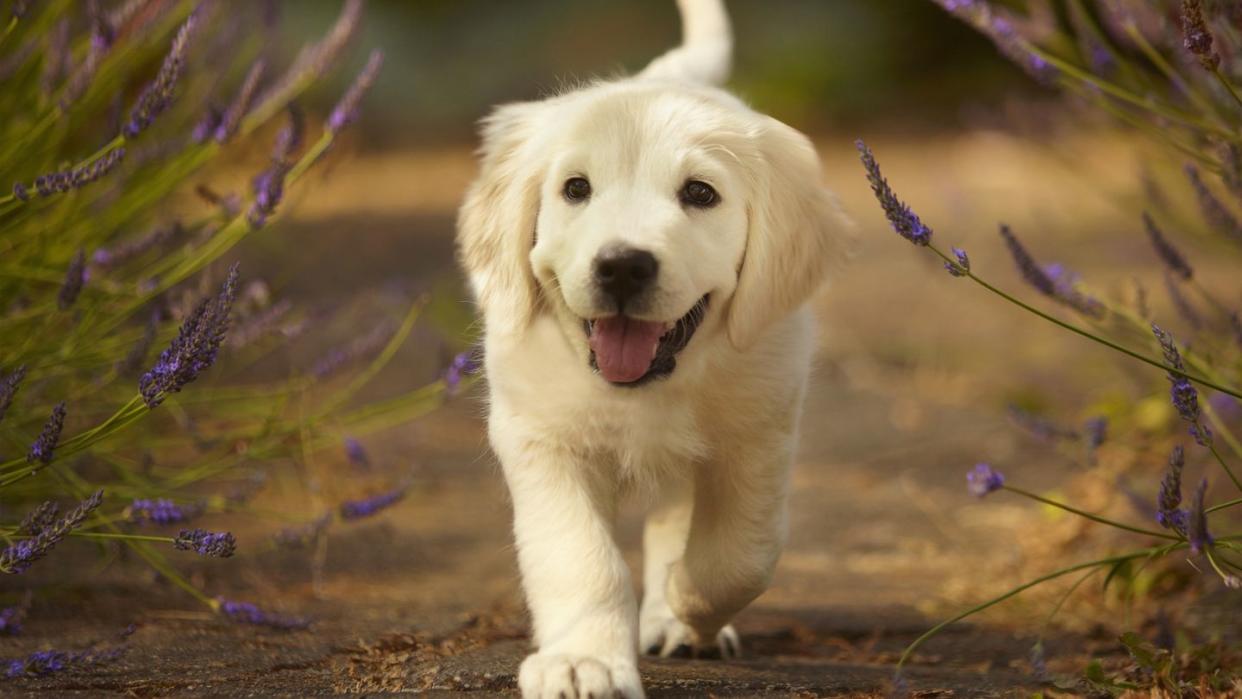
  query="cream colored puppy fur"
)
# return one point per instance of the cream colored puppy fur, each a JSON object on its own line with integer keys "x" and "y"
{"x": 712, "y": 442}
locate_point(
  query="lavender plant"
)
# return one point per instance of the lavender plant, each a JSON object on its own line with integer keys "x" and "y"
{"x": 117, "y": 357}
{"x": 1166, "y": 68}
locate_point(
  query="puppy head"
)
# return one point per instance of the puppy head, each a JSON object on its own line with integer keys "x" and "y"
{"x": 643, "y": 216}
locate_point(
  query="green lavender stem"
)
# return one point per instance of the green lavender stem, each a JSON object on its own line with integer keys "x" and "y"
{"x": 1088, "y": 515}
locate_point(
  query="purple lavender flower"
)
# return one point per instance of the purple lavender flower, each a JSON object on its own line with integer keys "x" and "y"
{"x": 1196, "y": 529}
{"x": 160, "y": 511}
{"x": 47, "y": 662}
{"x": 960, "y": 268}
{"x": 247, "y": 613}
{"x": 233, "y": 115}
{"x": 367, "y": 344}
{"x": 205, "y": 543}
{"x": 66, "y": 180}
{"x": 18, "y": 558}
{"x": 39, "y": 519}
{"x": 43, "y": 448}
{"x": 1000, "y": 26}
{"x": 1097, "y": 431}
{"x": 20, "y": 191}
{"x": 1168, "y": 254}
{"x": 103, "y": 35}
{"x": 290, "y": 136}
{"x": 1214, "y": 211}
{"x": 313, "y": 61}
{"x": 356, "y": 454}
{"x": 1168, "y": 505}
{"x": 1182, "y": 392}
{"x": 158, "y": 94}
{"x": 903, "y": 220}
{"x": 75, "y": 277}
{"x": 347, "y": 109}
{"x": 207, "y": 124}
{"x": 1198, "y": 37}
{"x": 464, "y": 364}
{"x": 269, "y": 189}
{"x": 1039, "y": 664}
{"x": 8, "y": 389}
{"x": 366, "y": 507}
{"x": 121, "y": 252}
{"x": 301, "y": 535}
{"x": 1031, "y": 272}
{"x": 983, "y": 480}
{"x": 194, "y": 349}
{"x": 11, "y": 620}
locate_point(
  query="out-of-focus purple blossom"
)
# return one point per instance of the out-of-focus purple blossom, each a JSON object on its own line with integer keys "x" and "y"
{"x": 347, "y": 109}
{"x": 1168, "y": 505}
{"x": 11, "y": 621}
{"x": 44, "y": 447}
{"x": 1031, "y": 272}
{"x": 1170, "y": 255}
{"x": 269, "y": 189}
{"x": 47, "y": 662}
{"x": 232, "y": 116}
{"x": 903, "y": 220}
{"x": 314, "y": 60}
{"x": 301, "y": 535}
{"x": 1226, "y": 406}
{"x": 1065, "y": 283}
{"x": 160, "y": 511}
{"x": 20, "y": 192}
{"x": 75, "y": 277}
{"x": 103, "y": 35}
{"x": 1198, "y": 38}
{"x": 360, "y": 347}
{"x": 159, "y": 93}
{"x": 80, "y": 176}
{"x": 194, "y": 349}
{"x": 18, "y": 558}
{"x": 1216, "y": 214}
{"x": 247, "y": 613}
{"x": 1041, "y": 427}
{"x": 1001, "y": 26}
{"x": 1096, "y": 430}
{"x": 984, "y": 479}
{"x": 205, "y": 543}
{"x": 1168, "y": 347}
{"x": 1039, "y": 664}
{"x": 464, "y": 364}
{"x": 1184, "y": 307}
{"x": 1196, "y": 528}
{"x": 207, "y": 124}
{"x": 289, "y": 138}
{"x": 961, "y": 267}
{"x": 366, "y": 507}
{"x": 356, "y": 454}
{"x": 8, "y": 389}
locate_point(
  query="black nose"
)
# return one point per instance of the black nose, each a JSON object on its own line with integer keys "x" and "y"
{"x": 623, "y": 272}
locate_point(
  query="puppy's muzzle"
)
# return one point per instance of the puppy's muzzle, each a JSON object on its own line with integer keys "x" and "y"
{"x": 623, "y": 273}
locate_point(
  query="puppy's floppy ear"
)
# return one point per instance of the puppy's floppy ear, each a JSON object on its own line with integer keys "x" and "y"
{"x": 797, "y": 234}
{"x": 496, "y": 223}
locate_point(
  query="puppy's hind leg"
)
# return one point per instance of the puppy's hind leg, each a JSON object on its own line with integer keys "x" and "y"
{"x": 660, "y": 632}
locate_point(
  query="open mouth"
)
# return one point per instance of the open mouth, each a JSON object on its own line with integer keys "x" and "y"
{"x": 627, "y": 351}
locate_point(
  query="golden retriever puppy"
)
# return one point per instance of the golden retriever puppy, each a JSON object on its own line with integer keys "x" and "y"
{"x": 643, "y": 251}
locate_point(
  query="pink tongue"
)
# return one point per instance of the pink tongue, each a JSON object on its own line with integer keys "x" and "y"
{"x": 624, "y": 347}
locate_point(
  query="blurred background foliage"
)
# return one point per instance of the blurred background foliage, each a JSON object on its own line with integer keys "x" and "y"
{"x": 819, "y": 64}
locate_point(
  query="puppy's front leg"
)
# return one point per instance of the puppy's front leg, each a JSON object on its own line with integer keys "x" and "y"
{"x": 577, "y": 584}
{"x": 737, "y": 531}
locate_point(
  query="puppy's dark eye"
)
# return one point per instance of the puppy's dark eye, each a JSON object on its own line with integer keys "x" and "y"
{"x": 576, "y": 189}
{"x": 698, "y": 194}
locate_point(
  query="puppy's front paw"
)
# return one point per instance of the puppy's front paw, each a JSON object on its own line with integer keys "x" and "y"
{"x": 558, "y": 676}
{"x": 666, "y": 636}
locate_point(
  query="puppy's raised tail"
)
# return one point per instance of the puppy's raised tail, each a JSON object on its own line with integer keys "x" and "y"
{"x": 705, "y": 56}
